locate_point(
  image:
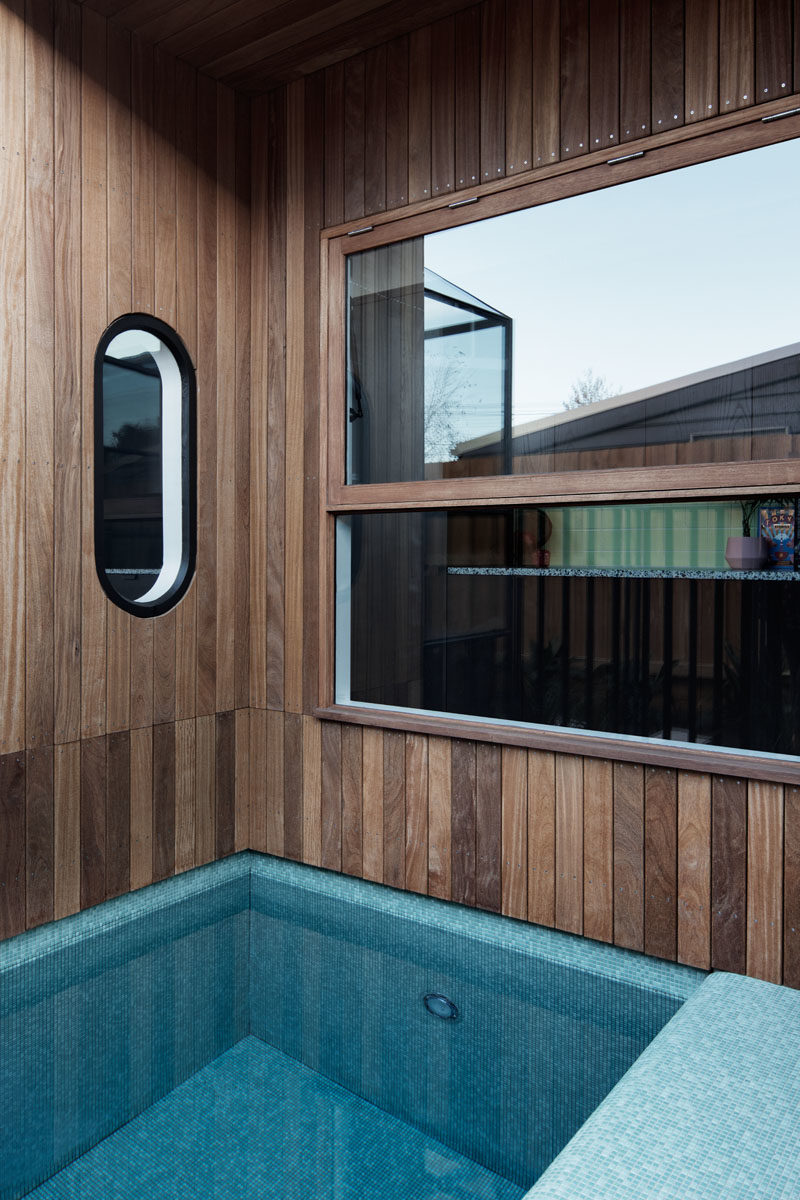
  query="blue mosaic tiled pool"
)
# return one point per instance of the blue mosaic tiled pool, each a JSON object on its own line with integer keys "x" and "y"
{"x": 257, "y": 1028}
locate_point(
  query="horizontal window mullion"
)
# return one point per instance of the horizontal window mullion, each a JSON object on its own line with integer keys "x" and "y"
{"x": 643, "y": 483}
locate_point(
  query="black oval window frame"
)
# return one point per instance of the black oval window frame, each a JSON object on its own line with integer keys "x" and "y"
{"x": 172, "y": 340}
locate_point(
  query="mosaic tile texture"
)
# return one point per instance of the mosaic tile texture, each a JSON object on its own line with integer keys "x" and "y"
{"x": 95, "y": 1026}
{"x": 711, "y": 1110}
{"x": 546, "y": 1025}
{"x": 104, "y": 1014}
{"x": 256, "y": 1123}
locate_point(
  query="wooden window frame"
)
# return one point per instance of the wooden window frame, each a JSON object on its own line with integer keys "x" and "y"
{"x": 717, "y": 138}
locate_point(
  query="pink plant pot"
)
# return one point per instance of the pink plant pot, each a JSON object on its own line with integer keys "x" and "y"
{"x": 746, "y": 553}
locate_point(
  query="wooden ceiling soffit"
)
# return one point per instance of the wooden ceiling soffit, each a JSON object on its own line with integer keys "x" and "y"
{"x": 256, "y": 45}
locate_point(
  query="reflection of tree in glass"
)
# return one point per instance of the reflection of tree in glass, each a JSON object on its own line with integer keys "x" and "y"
{"x": 445, "y": 388}
{"x": 135, "y": 438}
{"x": 588, "y": 388}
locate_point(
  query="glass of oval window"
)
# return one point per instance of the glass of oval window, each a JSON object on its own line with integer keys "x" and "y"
{"x": 144, "y": 465}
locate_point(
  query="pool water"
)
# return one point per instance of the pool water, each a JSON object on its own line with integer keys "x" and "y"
{"x": 257, "y": 1028}
{"x": 257, "y": 1123}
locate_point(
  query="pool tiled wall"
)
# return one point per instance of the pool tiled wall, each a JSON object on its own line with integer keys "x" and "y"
{"x": 106, "y": 1012}
{"x": 546, "y": 1026}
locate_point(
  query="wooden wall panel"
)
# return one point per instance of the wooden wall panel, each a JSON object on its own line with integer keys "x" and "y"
{"x": 467, "y": 97}
{"x": 416, "y": 848}
{"x": 694, "y": 869}
{"x": 660, "y": 863}
{"x": 165, "y": 192}
{"x": 241, "y": 781}
{"x": 667, "y": 40}
{"x": 702, "y": 59}
{"x": 764, "y": 880}
{"x": 462, "y": 820}
{"x": 12, "y": 380}
{"x": 569, "y": 843}
{"x": 394, "y": 809}
{"x": 773, "y": 56}
{"x": 12, "y": 844}
{"x": 39, "y": 837}
{"x": 736, "y": 54}
{"x": 375, "y": 129}
{"x": 372, "y": 812}
{"x": 118, "y": 813}
{"x": 634, "y": 69}
{"x": 598, "y": 849}
{"x": 66, "y": 325}
{"x": 791, "y": 888}
{"x": 352, "y": 858}
{"x": 39, "y": 295}
{"x": 309, "y": 793}
{"x": 331, "y": 798}
{"x": 629, "y": 816}
{"x": 104, "y": 209}
{"x": 94, "y": 312}
{"x": 442, "y": 108}
{"x": 603, "y": 73}
{"x": 66, "y": 829}
{"x": 295, "y": 400}
{"x": 574, "y": 136}
{"x": 508, "y": 875}
{"x": 439, "y": 820}
{"x": 225, "y": 784}
{"x": 728, "y": 874}
{"x": 496, "y": 788}
{"x": 541, "y": 837}
{"x": 419, "y": 115}
{"x": 518, "y": 99}
{"x": 493, "y": 89}
{"x": 396, "y": 151}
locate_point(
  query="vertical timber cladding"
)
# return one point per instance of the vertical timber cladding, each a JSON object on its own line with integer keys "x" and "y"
{"x": 124, "y": 186}
{"x": 695, "y": 867}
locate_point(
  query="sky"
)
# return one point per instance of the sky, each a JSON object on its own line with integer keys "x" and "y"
{"x": 642, "y": 282}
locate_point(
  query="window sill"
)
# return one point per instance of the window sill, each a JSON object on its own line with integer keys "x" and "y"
{"x": 743, "y": 764}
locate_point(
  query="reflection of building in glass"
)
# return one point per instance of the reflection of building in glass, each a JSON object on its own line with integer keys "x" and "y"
{"x": 132, "y": 472}
{"x": 738, "y": 412}
{"x": 468, "y": 348}
{"x": 428, "y": 366}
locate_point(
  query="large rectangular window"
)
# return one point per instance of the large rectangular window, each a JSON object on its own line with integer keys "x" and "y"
{"x": 637, "y": 625}
{"x": 653, "y": 323}
{"x": 551, "y": 430}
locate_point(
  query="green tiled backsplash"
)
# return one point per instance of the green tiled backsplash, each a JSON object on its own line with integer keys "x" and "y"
{"x": 638, "y": 535}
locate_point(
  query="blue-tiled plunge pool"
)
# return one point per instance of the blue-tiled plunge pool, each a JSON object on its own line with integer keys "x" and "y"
{"x": 258, "y": 1029}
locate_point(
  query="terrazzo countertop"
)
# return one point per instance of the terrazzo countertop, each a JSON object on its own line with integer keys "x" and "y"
{"x": 776, "y": 576}
{"x": 709, "y": 1111}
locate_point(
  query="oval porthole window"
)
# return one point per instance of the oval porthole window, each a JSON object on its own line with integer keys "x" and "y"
{"x": 144, "y": 464}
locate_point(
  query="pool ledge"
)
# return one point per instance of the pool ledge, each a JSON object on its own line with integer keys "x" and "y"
{"x": 709, "y": 1111}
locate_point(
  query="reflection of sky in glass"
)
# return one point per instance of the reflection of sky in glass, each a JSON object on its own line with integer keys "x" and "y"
{"x": 643, "y": 282}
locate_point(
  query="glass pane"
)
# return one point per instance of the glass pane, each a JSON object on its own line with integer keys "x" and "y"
{"x": 654, "y": 322}
{"x": 132, "y": 464}
{"x": 621, "y": 619}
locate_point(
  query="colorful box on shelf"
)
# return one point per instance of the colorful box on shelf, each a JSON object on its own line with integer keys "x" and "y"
{"x": 777, "y": 526}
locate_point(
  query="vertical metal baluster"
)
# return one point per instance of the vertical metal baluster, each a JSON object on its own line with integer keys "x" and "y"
{"x": 644, "y": 693}
{"x": 719, "y": 628}
{"x": 589, "y": 656}
{"x": 692, "y": 690}
{"x": 565, "y": 649}
{"x": 666, "y": 687}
